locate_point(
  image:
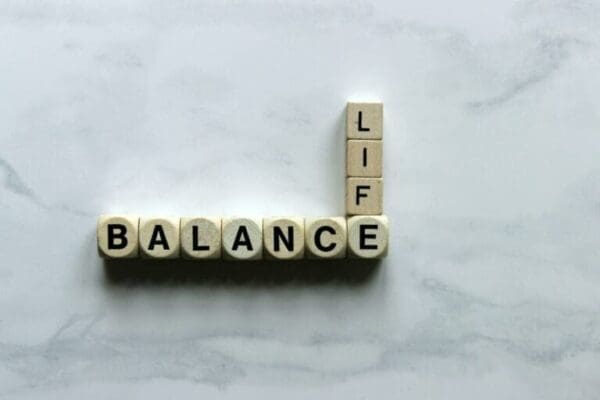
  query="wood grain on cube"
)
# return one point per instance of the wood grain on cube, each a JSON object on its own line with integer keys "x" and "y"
{"x": 325, "y": 237}
{"x": 364, "y": 120}
{"x": 364, "y": 158}
{"x": 368, "y": 236}
{"x": 364, "y": 196}
{"x": 283, "y": 238}
{"x": 159, "y": 237}
{"x": 117, "y": 236}
{"x": 242, "y": 238}
{"x": 200, "y": 237}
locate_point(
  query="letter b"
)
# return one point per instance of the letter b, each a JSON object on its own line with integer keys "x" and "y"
{"x": 118, "y": 236}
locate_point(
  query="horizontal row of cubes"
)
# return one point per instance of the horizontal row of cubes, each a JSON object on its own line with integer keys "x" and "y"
{"x": 285, "y": 238}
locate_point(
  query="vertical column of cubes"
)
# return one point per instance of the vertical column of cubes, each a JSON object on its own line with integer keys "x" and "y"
{"x": 364, "y": 159}
{"x": 367, "y": 228}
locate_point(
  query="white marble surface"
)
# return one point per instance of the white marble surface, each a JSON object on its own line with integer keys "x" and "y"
{"x": 492, "y": 164}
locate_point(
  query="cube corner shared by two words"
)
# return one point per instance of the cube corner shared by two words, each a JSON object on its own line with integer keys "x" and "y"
{"x": 363, "y": 233}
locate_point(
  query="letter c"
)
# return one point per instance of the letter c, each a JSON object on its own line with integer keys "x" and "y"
{"x": 319, "y": 233}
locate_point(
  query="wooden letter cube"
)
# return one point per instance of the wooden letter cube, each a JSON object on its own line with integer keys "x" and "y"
{"x": 159, "y": 237}
{"x": 364, "y": 196}
{"x": 242, "y": 238}
{"x": 364, "y": 158}
{"x": 118, "y": 236}
{"x": 368, "y": 236}
{"x": 364, "y": 120}
{"x": 325, "y": 237}
{"x": 283, "y": 238}
{"x": 201, "y": 238}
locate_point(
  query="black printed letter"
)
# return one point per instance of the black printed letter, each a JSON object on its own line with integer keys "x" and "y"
{"x": 363, "y": 236}
{"x": 112, "y": 235}
{"x": 359, "y": 194}
{"x": 195, "y": 239}
{"x": 360, "y": 127}
{"x": 278, "y": 235}
{"x": 239, "y": 241}
{"x": 156, "y": 240}
{"x": 318, "y": 242}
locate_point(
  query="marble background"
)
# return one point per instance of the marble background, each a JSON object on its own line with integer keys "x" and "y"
{"x": 492, "y": 168}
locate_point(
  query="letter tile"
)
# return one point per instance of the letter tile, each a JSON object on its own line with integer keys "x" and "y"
{"x": 242, "y": 238}
{"x": 364, "y": 120}
{"x": 118, "y": 236}
{"x": 364, "y": 196}
{"x": 283, "y": 238}
{"x": 159, "y": 237}
{"x": 325, "y": 237}
{"x": 201, "y": 238}
{"x": 368, "y": 236}
{"x": 364, "y": 158}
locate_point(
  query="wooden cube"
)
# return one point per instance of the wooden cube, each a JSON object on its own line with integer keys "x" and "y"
{"x": 364, "y": 120}
{"x": 364, "y": 196}
{"x": 283, "y": 238}
{"x": 364, "y": 158}
{"x": 159, "y": 237}
{"x": 200, "y": 238}
{"x": 242, "y": 238}
{"x": 368, "y": 236}
{"x": 117, "y": 236}
{"x": 325, "y": 237}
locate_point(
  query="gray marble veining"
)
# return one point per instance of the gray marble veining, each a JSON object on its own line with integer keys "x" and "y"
{"x": 492, "y": 187}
